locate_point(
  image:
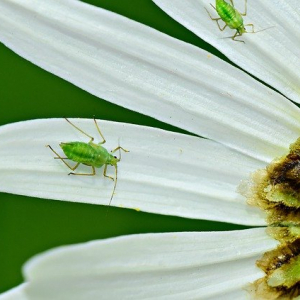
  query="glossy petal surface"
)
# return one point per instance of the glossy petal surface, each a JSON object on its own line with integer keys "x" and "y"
{"x": 164, "y": 172}
{"x": 272, "y": 55}
{"x": 142, "y": 69}
{"x": 152, "y": 266}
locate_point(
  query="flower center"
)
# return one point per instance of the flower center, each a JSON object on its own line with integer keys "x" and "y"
{"x": 276, "y": 190}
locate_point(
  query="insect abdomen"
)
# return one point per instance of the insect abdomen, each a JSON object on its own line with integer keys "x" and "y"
{"x": 80, "y": 152}
{"x": 229, "y": 14}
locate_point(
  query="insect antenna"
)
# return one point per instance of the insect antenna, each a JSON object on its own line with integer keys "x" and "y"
{"x": 230, "y": 37}
{"x": 120, "y": 155}
{"x": 116, "y": 179}
{"x": 116, "y": 173}
{"x": 261, "y": 30}
{"x": 113, "y": 192}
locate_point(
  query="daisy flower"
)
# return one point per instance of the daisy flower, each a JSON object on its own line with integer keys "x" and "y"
{"x": 246, "y": 125}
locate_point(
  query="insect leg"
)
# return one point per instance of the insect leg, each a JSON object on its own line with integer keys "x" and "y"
{"x": 104, "y": 173}
{"x": 119, "y": 148}
{"x": 245, "y": 13}
{"x": 85, "y": 174}
{"x": 250, "y": 24}
{"x": 99, "y": 132}
{"x": 220, "y": 26}
{"x": 235, "y": 35}
{"x": 63, "y": 159}
{"x": 214, "y": 19}
{"x": 112, "y": 151}
{"x": 80, "y": 130}
{"x": 212, "y": 6}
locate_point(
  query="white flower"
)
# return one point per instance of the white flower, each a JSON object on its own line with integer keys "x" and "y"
{"x": 137, "y": 67}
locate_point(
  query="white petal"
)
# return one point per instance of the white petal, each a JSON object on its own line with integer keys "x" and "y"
{"x": 271, "y": 55}
{"x": 164, "y": 172}
{"x": 151, "y": 266}
{"x": 16, "y": 293}
{"x": 142, "y": 69}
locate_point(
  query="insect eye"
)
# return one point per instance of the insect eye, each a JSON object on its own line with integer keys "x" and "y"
{"x": 115, "y": 157}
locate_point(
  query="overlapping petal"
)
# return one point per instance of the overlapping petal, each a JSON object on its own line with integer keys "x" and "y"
{"x": 271, "y": 55}
{"x": 142, "y": 69}
{"x": 139, "y": 68}
{"x": 17, "y": 293}
{"x": 164, "y": 172}
{"x": 150, "y": 266}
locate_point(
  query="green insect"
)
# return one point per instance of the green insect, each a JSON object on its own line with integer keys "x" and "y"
{"x": 232, "y": 18}
{"x": 90, "y": 154}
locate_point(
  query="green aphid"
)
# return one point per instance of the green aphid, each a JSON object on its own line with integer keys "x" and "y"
{"x": 90, "y": 154}
{"x": 232, "y": 18}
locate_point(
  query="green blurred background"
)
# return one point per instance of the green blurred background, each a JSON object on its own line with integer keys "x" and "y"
{"x": 28, "y": 225}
